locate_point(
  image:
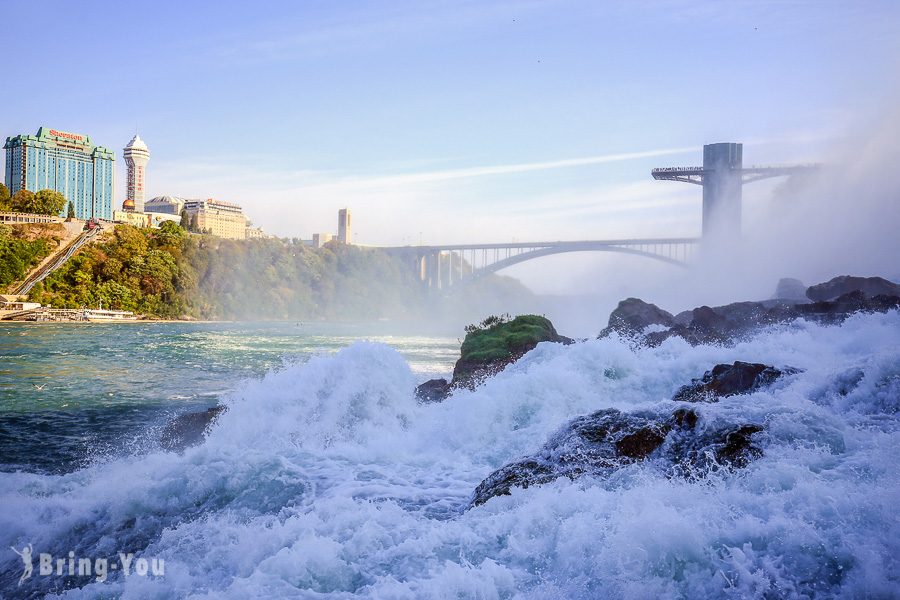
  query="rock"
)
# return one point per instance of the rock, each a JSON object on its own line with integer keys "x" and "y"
{"x": 489, "y": 348}
{"x": 738, "y": 448}
{"x": 845, "y": 284}
{"x": 188, "y": 429}
{"x": 842, "y": 307}
{"x": 599, "y": 443}
{"x": 728, "y": 380}
{"x": 731, "y": 322}
{"x": 641, "y": 443}
{"x": 790, "y": 289}
{"x": 433, "y": 390}
{"x": 685, "y": 417}
{"x": 633, "y": 315}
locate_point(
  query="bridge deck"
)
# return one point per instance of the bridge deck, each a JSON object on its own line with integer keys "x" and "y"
{"x": 626, "y": 242}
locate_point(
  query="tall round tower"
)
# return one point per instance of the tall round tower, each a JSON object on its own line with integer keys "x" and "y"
{"x": 137, "y": 155}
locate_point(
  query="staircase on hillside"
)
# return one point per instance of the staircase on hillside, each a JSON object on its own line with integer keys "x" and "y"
{"x": 56, "y": 262}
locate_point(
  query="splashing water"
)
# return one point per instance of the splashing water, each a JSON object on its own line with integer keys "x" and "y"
{"x": 328, "y": 478}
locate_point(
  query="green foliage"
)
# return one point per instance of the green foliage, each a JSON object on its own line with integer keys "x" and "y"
{"x": 22, "y": 201}
{"x": 4, "y": 198}
{"x": 45, "y": 202}
{"x": 498, "y": 338}
{"x": 487, "y": 323}
{"x": 70, "y": 214}
{"x": 169, "y": 273}
{"x": 18, "y": 254}
{"x": 133, "y": 269}
{"x": 49, "y": 202}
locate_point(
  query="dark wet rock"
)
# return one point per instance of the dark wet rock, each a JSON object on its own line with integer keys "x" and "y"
{"x": 845, "y": 284}
{"x": 433, "y": 390}
{"x": 728, "y": 380}
{"x": 789, "y": 288}
{"x": 732, "y": 322}
{"x": 188, "y": 429}
{"x": 607, "y": 440}
{"x": 495, "y": 344}
{"x": 838, "y": 310}
{"x": 738, "y": 449}
{"x": 641, "y": 443}
{"x": 685, "y": 417}
{"x": 633, "y": 316}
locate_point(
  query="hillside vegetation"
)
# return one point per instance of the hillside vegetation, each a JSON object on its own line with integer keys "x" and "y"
{"x": 169, "y": 273}
{"x": 23, "y": 247}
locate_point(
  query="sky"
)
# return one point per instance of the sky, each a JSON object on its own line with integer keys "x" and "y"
{"x": 451, "y": 122}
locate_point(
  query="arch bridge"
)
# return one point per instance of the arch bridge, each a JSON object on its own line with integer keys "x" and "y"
{"x": 449, "y": 265}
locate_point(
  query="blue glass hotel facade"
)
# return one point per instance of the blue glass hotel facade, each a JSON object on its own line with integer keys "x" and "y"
{"x": 65, "y": 162}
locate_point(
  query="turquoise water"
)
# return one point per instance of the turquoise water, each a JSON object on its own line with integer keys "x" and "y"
{"x": 107, "y": 386}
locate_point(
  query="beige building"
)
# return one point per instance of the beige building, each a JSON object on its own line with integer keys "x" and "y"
{"x": 344, "y": 232}
{"x": 256, "y": 233}
{"x": 129, "y": 215}
{"x": 223, "y": 219}
{"x": 320, "y": 239}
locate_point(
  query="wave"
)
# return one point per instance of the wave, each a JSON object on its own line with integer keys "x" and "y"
{"x": 328, "y": 477}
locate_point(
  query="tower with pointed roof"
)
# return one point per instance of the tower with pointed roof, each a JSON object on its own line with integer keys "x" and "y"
{"x": 137, "y": 155}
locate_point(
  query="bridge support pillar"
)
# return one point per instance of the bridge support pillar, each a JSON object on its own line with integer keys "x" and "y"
{"x": 722, "y": 191}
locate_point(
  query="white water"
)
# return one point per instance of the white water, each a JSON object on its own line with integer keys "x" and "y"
{"x": 328, "y": 479}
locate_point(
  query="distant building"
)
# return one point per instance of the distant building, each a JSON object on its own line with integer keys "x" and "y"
{"x": 320, "y": 239}
{"x": 137, "y": 155}
{"x": 66, "y": 162}
{"x": 129, "y": 215}
{"x": 344, "y": 233}
{"x": 256, "y": 233}
{"x": 216, "y": 217}
{"x": 170, "y": 205}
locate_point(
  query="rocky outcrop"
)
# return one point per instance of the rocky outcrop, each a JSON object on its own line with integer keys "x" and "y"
{"x": 633, "y": 316}
{"x": 728, "y": 380}
{"x": 846, "y": 284}
{"x": 600, "y": 443}
{"x": 188, "y": 429}
{"x": 488, "y": 349}
{"x": 433, "y": 390}
{"x": 726, "y": 324}
{"x": 789, "y": 288}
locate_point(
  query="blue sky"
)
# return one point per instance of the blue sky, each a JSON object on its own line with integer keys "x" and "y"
{"x": 450, "y": 121}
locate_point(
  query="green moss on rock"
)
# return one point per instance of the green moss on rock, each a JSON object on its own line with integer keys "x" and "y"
{"x": 489, "y": 348}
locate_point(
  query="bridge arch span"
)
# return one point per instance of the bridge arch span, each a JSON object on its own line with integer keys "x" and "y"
{"x": 549, "y": 251}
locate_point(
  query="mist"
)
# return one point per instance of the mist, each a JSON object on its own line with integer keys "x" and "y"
{"x": 841, "y": 219}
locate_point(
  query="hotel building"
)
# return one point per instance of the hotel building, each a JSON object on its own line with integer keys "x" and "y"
{"x": 216, "y": 217}
{"x": 66, "y": 162}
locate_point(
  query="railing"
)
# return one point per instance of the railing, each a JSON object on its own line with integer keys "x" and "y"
{"x": 17, "y": 217}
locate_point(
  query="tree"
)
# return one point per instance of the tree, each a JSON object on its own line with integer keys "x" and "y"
{"x": 185, "y": 220}
{"x": 195, "y": 224}
{"x": 4, "y": 197}
{"x": 22, "y": 201}
{"x": 71, "y": 213}
{"x": 49, "y": 202}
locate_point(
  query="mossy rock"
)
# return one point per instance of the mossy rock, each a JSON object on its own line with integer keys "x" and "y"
{"x": 488, "y": 350}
